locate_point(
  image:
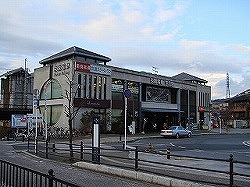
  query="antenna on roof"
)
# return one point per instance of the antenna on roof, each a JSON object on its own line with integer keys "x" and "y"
{"x": 227, "y": 87}
{"x": 25, "y": 83}
{"x": 155, "y": 69}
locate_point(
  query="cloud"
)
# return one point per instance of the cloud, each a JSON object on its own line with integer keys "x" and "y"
{"x": 20, "y": 45}
{"x": 166, "y": 13}
{"x": 135, "y": 34}
{"x": 235, "y": 86}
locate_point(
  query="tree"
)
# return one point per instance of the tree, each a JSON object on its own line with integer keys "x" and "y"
{"x": 227, "y": 117}
{"x": 70, "y": 111}
{"x": 86, "y": 121}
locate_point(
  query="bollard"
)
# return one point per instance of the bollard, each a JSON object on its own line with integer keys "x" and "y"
{"x": 82, "y": 145}
{"x": 231, "y": 174}
{"x": 47, "y": 149}
{"x": 149, "y": 148}
{"x": 168, "y": 153}
{"x": 54, "y": 147}
{"x": 51, "y": 177}
{"x": 28, "y": 144}
{"x": 36, "y": 146}
{"x": 123, "y": 146}
{"x": 136, "y": 158}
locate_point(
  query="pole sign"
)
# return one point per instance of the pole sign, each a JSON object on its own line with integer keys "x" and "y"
{"x": 127, "y": 93}
{"x": 96, "y": 140}
{"x": 18, "y": 121}
{"x": 35, "y": 97}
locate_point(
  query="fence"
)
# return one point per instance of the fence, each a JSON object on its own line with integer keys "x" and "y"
{"x": 162, "y": 162}
{"x": 15, "y": 175}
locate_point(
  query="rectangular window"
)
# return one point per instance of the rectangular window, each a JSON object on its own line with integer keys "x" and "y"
{"x": 100, "y": 87}
{"x": 79, "y": 85}
{"x": 95, "y": 87}
{"x": 155, "y": 94}
{"x": 90, "y": 85}
{"x": 105, "y": 87}
{"x": 84, "y": 86}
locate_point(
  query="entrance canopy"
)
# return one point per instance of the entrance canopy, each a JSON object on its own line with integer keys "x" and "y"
{"x": 160, "y": 110}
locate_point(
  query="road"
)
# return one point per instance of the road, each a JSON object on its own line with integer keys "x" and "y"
{"x": 212, "y": 146}
{"x": 64, "y": 171}
{"x": 205, "y": 146}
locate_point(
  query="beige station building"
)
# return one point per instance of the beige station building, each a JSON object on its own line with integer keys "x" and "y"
{"x": 81, "y": 82}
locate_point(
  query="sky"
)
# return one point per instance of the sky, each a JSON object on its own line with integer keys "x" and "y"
{"x": 207, "y": 39}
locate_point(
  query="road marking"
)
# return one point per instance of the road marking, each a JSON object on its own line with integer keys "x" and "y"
{"x": 172, "y": 144}
{"x": 182, "y": 147}
{"x": 246, "y": 143}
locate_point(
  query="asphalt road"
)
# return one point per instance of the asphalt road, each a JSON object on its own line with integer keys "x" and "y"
{"x": 64, "y": 171}
{"x": 205, "y": 146}
{"x": 208, "y": 146}
{"x": 212, "y": 146}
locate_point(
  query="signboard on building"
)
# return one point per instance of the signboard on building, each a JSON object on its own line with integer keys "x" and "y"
{"x": 85, "y": 67}
{"x": 62, "y": 69}
{"x": 161, "y": 82}
{"x": 91, "y": 103}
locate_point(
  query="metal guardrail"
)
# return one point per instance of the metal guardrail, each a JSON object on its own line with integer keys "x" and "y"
{"x": 15, "y": 175}
{"x": 121, "y": 158}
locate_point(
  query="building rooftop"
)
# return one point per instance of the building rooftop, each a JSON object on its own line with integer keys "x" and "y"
{"x": 243, "y": 96}
{"x": 8, "y": 73}
{"x": 75, "y": 51}
{"x": 190, "y": 78}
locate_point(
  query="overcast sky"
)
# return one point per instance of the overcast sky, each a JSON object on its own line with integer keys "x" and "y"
{"x": 204, "y": 38}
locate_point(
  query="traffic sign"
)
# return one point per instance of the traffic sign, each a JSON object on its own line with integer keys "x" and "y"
{"x": 127, "y": 93}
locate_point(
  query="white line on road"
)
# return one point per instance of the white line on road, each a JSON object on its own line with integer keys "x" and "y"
{"x": 172, "y": 144}
{"x": 182, "y": 147}
{"x": 246, "y": 143}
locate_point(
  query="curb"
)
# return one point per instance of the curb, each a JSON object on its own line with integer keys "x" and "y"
{"x": 137, "y": 175}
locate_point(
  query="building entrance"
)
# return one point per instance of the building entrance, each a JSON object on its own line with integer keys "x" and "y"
{"x": 154, "y": 121}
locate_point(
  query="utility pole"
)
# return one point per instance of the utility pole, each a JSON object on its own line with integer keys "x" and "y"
{"x": 227, "y": 87}
{"x": 25, "y": 83}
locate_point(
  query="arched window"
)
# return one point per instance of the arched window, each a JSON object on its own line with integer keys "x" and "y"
{"x": 51, "y": 90}
{"x": 53, "y": 113}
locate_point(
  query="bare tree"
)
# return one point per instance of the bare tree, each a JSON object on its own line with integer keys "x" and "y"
{"x": 70, "y": 111}
{"x": 227, "y": 117}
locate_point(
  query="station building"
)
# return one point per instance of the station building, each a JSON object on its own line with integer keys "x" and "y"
{"x": 81, "y": 82}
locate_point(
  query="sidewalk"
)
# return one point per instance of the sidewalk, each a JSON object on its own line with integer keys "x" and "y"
{"x": 224, "y": 131}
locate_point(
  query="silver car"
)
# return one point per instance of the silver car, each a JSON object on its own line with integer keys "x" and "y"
{"x": 176, "y": 131}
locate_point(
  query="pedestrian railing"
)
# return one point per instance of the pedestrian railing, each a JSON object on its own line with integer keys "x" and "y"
{"x": 230, "y": 173}
{"x": 16, "y": 175}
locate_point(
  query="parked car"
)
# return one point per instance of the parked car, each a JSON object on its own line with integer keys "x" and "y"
{"x": 176, "y": 131}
